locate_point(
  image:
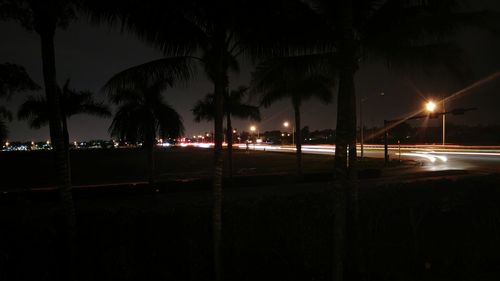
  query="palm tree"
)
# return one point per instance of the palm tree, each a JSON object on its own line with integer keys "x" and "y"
{"x": 214, "y": 34}
{"x": 5, "y": 115}
{"x": 143, "y": 116}
{"x": 44, "y": 17}
{"x": 402, "y": 33}
{"x": 36, "y": 110}
{"x": 233, "y": 106}
{"x": 13, "y": 78}
{"x": 292, "y": 78}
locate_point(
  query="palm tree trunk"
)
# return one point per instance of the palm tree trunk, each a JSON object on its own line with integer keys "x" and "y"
{"x": 220, "y": 90}
{"x": 229, "y": 138}
{"x": 62, "y": 175}
{"x": 347, "y": 50}
{"x": 298, "y": 139}
{"x": 151, "y": 163}
{"x": 340, "y": 185}
{"x": 356, "y": 239}
{"x": 66, "y": 140}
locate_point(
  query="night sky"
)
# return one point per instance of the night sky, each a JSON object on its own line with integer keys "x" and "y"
{"x": 89, "y": 55}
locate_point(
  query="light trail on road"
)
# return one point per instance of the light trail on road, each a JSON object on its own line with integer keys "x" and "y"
{"x": 453, "y": 157}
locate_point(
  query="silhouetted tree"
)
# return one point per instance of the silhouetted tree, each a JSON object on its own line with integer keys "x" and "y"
{"x": 36, "y": 110}
{"x": 13, "y": 78}
{"x": 5, "y": 116}
{"x": 143, "y": 116}
{"x": 215, "y": 34}
{"x": 401, "y": 33}
{"x": 292, "y": 78}
{"x": 44, "y": 17}
{"x": 233, "y": 106}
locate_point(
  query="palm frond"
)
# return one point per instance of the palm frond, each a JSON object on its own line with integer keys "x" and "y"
{"x": 35, "y": 110}
{"x": 142, "y": 115}
{"x": 169, "y": 122}
{"x": 427, "y": 58}
{"x": 78, "y": 102}
{"x": 98, "y": 109}
{"x": 204, "y": 109}
{"x": 233, "y": 104}
{"x": 165, "y": 25}
{"x": 4, "y": 131}
{"x": 5, "y": 113}
{"x": 168, "y": 71}
{"x": 279, "y": 72}
{"x": 298, "y": 77}
{"x": 14, "y": 78}
{"x": 245, "y": 111}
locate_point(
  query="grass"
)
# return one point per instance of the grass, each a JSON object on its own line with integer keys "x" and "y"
{"x": 436, "y": 230}
{"x": 432, "y": 230}
{"x": 34, "y": 169}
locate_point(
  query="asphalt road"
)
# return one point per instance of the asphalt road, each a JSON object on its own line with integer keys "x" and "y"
{"x": 432, "y": 157}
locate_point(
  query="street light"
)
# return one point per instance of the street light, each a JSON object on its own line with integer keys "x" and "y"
{"x": 286, "y": 124}
{"x": 430, "y": 106}
{"x": 253, "y": 129}
{"x": 361, "y": 125}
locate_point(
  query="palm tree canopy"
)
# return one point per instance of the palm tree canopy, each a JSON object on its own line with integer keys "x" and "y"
{"x": 233, "y": 105}
{"x": 299, "y": 78}
{"x": 189, "y": 27}
{"x": 5, "y": 115}
{"x": 409, "y": 34}
{"x": 165, "y": 72}
{"x": 39, "y": 15}
{"x": 13, "y": 78}
{"x": 143, "y": 114}
{"x": 36, "y": 110}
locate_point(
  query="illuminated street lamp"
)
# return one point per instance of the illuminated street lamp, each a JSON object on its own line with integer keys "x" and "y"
{"x": 253, "y": 129}
{"x": 286, "y": 124}
{"x": 430, "y": 106}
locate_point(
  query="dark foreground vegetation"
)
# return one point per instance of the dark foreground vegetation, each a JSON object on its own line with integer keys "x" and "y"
{"x": 433, "y": 230}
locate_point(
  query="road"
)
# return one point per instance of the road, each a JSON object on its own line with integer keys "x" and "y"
{"x": 432, "y": 157}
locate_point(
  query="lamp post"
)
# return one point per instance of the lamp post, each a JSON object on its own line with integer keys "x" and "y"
{"x": 253, "y": 129}
{"x": 286, "y": 124}
{"x": 361, "y": 125}
{"x": 444, "y": 125}
{"x": 431, "y": 106}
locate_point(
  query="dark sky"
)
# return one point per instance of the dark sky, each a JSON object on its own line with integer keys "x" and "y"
{"x": 90, "y": 55}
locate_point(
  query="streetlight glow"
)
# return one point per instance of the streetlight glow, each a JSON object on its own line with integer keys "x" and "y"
{"x": 430, "y": 106}
{"x": 252, "y": 128}
{"x": 286, "y": 124}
